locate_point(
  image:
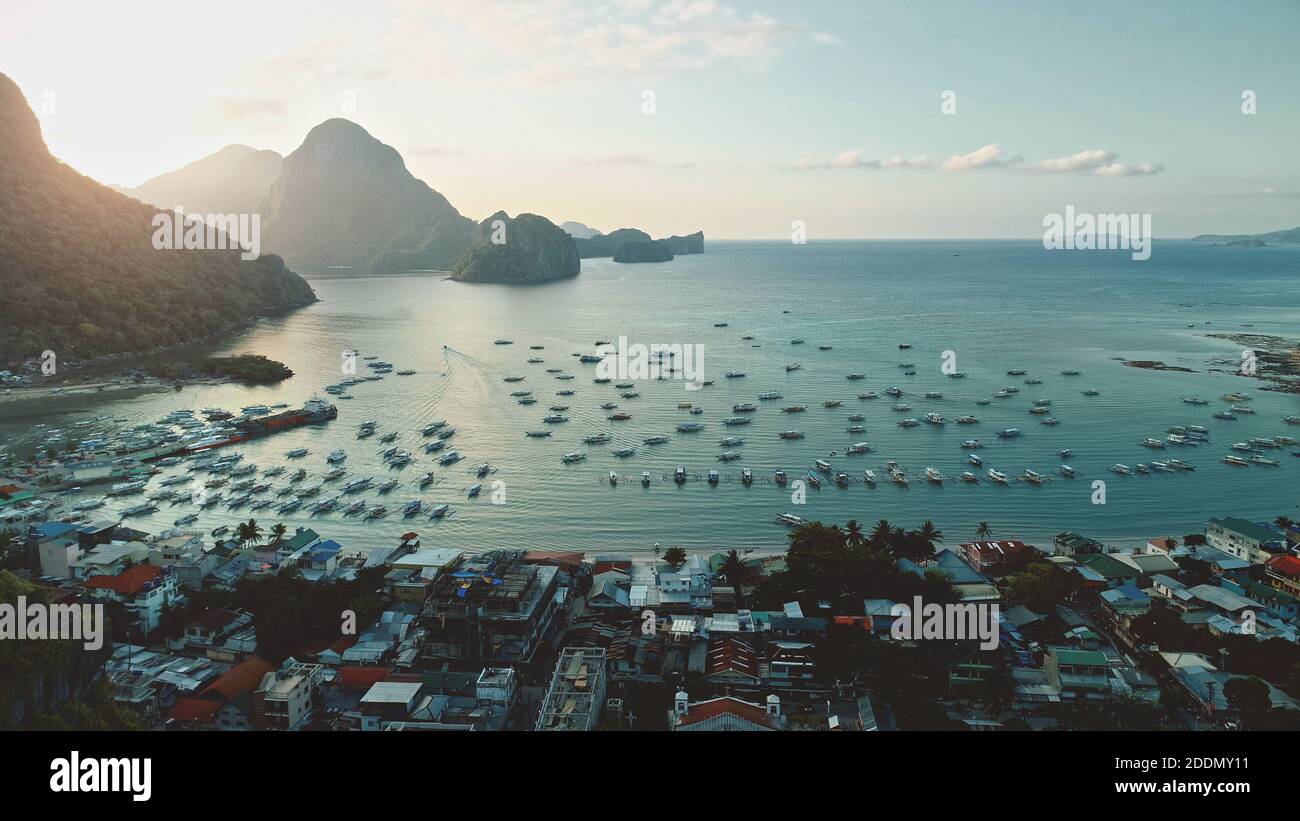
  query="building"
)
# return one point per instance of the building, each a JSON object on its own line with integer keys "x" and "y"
{"x": 1072, "y": 544}
{"x": 490, "y": 608}
{"x": 995, "y": 557}
{"x": 659, "y": 586}
{"x": 1077, "y": 675}
{"x": 577, "y": 693}
{"x": 1243, "y": 539}
{"x": 1283, "y": 573}
{"x": 225, "y": 704}
{"x": 286, "y": 699}
{"x": 725, "y": 714}
{"x": 389, "y": 701}
{"x": 144, "y": 590}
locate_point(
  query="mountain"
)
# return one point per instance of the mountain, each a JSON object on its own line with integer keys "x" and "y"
{"x": 527, "y": 248}
{"x": 653, "y": 251}
{"x": 1285, "y": 235}
{"x": 232, "y": 181}
{"x": 577, "y": 230}
{"x": 79, "y": 273}
{"x": 689, "y": 244}
{"x": 343, "y": 198}
{"x": 608, "y": 245}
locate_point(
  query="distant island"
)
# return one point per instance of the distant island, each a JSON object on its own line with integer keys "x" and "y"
{"x": 634, "y": 245}
{"x": 1286, "y": 235}
{"x": 527, "y": 248}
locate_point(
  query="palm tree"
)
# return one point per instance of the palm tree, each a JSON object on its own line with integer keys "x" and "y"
{"x": 277, "y": 533}
{"x": 880, "y": 534}
{"x": 248, "y": 533}
{"x": 983, "y": 530}
{"x": 733, "y": 570}
{"x": 854, "y": 531}
{"x": 930, "y": 533}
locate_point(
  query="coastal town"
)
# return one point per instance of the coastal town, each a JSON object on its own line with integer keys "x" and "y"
{"x": 266, "y": 628}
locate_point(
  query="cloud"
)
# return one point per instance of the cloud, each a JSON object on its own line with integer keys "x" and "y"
{"x": 1093, "y": 162}
{"x": 565, "y": 40}
{"x": 631, "y": 159}
{"x": 989, "y": 156}
{"x": 854, "y": 159}
{"x": 1096, "y": 162}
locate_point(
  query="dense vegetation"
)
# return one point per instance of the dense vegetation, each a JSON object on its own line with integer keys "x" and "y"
{"x": 78, "y": 271}
{"x": 251, "y": 368}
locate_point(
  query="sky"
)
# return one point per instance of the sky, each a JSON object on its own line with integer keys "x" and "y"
{"x": 859, "y": 119}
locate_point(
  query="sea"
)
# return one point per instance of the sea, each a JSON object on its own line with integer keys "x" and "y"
{"x": 979, "y": 307}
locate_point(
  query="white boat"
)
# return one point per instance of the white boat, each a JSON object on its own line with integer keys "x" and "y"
{"x": 869, "y": 477}
{"x": 859, "y": 447}
{"x": 689, "y": 427}
{"x": 336, "y": 456}
{"x": 645, "y": 478}
{"x": 790, "y": 519}
{"x": 573, "y": 457}
{"x": 933, "y": 475}
{"x": 1033, "y": 477}
{"x": 1122, "y": 470}
{"x": 997, "y": 476}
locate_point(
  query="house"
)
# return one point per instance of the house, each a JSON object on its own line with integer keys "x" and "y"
{"x": 1220, "y": 600}
{"x": 1112, "y": 569}
{"x": 287, "y": 698}
{"x": 965, "y": 579}
{"x": 108, "y": 559}
{"x": 225, "y": 704}
{"x": 273, "y": 553}
{"x": 1149, "y": 564}
{"x": 998, "y": 557}
{"x": 725, "y": 714}
{"x": 1242, "y": 539}
{"x": 1077, "y": 675}
{"x": 1283, "y": 573}
{"x": 1280, "y": 603}
{"x": 656, "y": 584}
{"x": 213, "y": 626}
{"x": 731, "y": 660}
{"x": 144, "y": 590}
{"x": 607, "y": 594}
{"x": 1165, "y": 546}
{"x": 1072, "y": 544}
{"x": 389, "y": 701}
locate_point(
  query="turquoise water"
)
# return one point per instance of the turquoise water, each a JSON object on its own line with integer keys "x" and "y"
{"x": 996, "y": 305}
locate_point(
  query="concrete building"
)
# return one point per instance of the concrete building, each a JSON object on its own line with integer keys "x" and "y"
{"x": 286, "y": 698}
{"x": 1243, "y": 539}
{"x": 577, "y": 693}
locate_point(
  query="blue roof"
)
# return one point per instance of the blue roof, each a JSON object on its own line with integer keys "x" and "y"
{"x": 950, "y": 563}
{"x": 325, "y": 549}
{"x": 53, "y": 530}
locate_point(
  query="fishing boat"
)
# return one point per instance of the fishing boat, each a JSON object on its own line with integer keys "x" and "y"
{"x": 908, "y": 423}
{"x": 1009, "y": 433}
{"x": 689, "y": 427}
{"x": 869, "y": 477}
{"x": 997, "y": 476}
{"x": 296, "y": 453}
{"x": 932, "y": 475}
{"x": 619, "y": 417}
{"x": 713, "y": 477}
{"x": 1236, "y": 461}
{"x": 1033, "y": 477}
{"x": 623, "y": 453}
{"x": 1121, "y": 470}
{"x": 411, "y": 508}
{"x": 767, "y": 396}
{"x": 1259, "y": 459}
{"x": 355, "y": 508}
{"x": 814, "y": 480}
{"x": 730, "y": 442}
{"x": 868, "y": 395}
{"x": 570, "y": 458}
{"x": 746, "y": 476}
{"x": 450, "y": 458}
{"x": 856, "y": 429}
{"x": 728, "y": 456}
{"x": 376, "y": 512}
{"x": 793, "y": 366}
{"x": 1154, "y": 444}
{"x": 1225, "y": 415}
{"x": 435, "y": 446}
{"x": 736, "y": 420}
{"x": 358, "y": 484}
{"x": 832, "y": 403}
{"x": 934, "y": 419}
{"x": 1067, "y": 471}
{"x": 645, "y": 478}
{"x": 534, "y": 434}
{"x": 679, "y": 475}
{"x": 790, "y": 520}
{"x": 598, "y": 439}
{"x": 1069, "y": 373}
{"x": 794, "y": 409}
{"x": 217, "y": 531}
{"x": 389, "y": 486}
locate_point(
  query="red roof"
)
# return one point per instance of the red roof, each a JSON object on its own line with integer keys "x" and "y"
{"x": 728, "y": 706}
{"x": 606, "y": 566}
{"x": 238, "y": 680}
{"x": 731, "y": 655}
{"x": 201, "y": 710}
{"x": 1008, "y": 548}
{"x": 361, "y": 678}
{"x": 1284, "y": 564}
{"x": 128, "y": 582}
{"x": 560, "y": 558}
